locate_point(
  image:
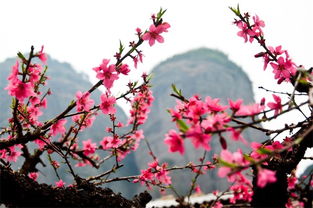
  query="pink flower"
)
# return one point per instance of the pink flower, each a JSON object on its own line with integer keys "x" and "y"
{"x": 195, "y": 109}
{"x": 162, "y": 175}
{"x": 83, "y": 102}
{"x": 88, "y": 147}
{"x": 34, "y": 73}
{"x": 235, "y": 105}
{"x": 106, "y": 73}
{"x": 33, "y": 175}
{"x": 88, "y": 120}
{"x": 234, "y": 159}
{"x": 265, "y": 176}
{"x": 176, "y": 115}
{"x": 292, "y": 182}
{"x": 107, "y": 104}
{"x": 245, "y": 32}
{"x": 124, "y": 69}
{"x": 55, "y": 164}
{"x": 213, "y": 105}
{"x": 258, "y": 23}
{"x": 20, "y": 90}
{"x": 13, "y": 155}
{"x": 241, "y": 192}
{"x": 42, "y": 56}
{"x": 110, "y": 142}
{"x": 276, "y": 51}
{"x": 146, "y": 175}
{"x": 119, "y": 125}
{"x": 276, "y": 105}
{"x": 256, "y": 154}
{"x": 141, "y": 106}
{"x": 236, "y": 135}
{"x": 218, "y": 204}
{"x": 266, "y": 59}
{"x": 115, "y": 142}
{"x": 215, "y": 122}
{"x": 198, "y": 138}
{"x": 198, "y": 189}
{"x": 40, "y": 143}
{"x": 60, "y": 183}
{"x": 138, "y": 135}
{"x": 175, "y": 142}
{"x": 154, "y": 33}
{"x": 14, "y": 73}
{"x": 250, "y": 110}
{"x": 283, "y": 69}
{"x": 58, "y": 127}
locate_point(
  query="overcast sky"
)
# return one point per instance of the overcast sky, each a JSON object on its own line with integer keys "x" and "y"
{"x": 84, "y": 32}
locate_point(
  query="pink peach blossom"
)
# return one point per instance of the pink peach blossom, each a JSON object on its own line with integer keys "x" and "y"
{"x": 58, "y": 127}
{"x": 107, "y": 104}
{"x": 175, "y": 142}
{"x": 265, "y": 176}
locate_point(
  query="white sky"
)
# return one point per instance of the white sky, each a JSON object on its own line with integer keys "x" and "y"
{"x": 84, "y": 32}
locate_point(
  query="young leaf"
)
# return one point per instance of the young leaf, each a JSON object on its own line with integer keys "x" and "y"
{"x": 227, "y": 164}
{"x": 183, "y": 127}
{"x": 160, "y": 14}
{"x": 178, "y": 92}
{"x": 21, "y": 56}
{"x": 121, "y": 48}
{"x": 264, "y": 151}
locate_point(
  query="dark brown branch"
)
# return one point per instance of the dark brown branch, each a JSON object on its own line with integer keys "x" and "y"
{"x": 23, "y": 191}
{"x": 28, "y": 137}
{"x": 275, "y": 194}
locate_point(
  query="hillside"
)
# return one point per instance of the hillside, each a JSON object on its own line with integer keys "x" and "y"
{"x": 202, "y": 71}
{"x": 64, "y": 82}
{"x": 205, "y": 72}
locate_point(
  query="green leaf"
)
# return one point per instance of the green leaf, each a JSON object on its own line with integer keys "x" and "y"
{"x": 248, "y": 158}
{"x": 13, "y": 103}
{"x": 160, "y": 14}
{"x": 178, "y": 92}
{"x": 264, "y": 151}
{"x": 121, "y": 48}
{"x": 227, "y": 164}
{"x": 149, "y": 77}
{"x": 21, "y": 56}
{"x": 183, "y": 127}
{"x": 235, "y": 10}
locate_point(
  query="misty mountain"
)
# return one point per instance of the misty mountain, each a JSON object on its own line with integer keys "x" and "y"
{"x": 64, "y": 82}
{"x": 203, "y": 71}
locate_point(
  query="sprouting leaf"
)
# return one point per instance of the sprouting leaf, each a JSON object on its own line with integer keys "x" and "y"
{"x": 235, "y": 10}
{"x": 183, "y": 127}
{"x": 227, "y": 164}
{"x": 264, "y": 151}
{"x": 160, "y": 14}
{"x": 121, "y": 48}
{"x": 248, "y": 158}
{"x": 21, "y": 56}
{"x": 178, "y": 92}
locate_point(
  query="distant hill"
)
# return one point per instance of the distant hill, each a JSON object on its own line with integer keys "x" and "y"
{"x": 64, "y": 82}
{"x": 205, "y": 72}
{"x": 202, "y": 71}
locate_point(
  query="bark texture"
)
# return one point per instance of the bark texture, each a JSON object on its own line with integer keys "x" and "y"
{"x": 17, "y": 190}
{"x": 275, "y": 194}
